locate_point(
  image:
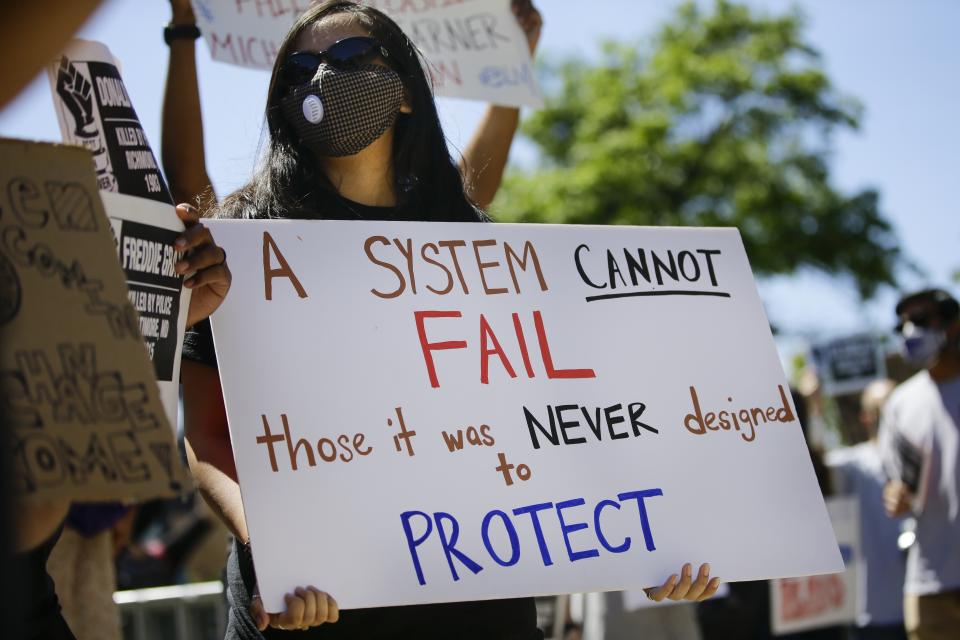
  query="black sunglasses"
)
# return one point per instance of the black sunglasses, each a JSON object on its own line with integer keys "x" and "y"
{"x": 349, "y": 53}
{"x": 920, "y": 320}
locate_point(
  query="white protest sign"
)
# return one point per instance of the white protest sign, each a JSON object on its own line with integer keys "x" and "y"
{"x": 798, "y": 604}
{"x": 473, "y": 49}
{"x": 426, "y": 412}
{"x": 95, "y": 112}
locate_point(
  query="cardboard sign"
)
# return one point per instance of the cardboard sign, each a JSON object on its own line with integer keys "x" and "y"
{"x": 849, "y": 364}
{"x": 473, "y": 49}
{"x": 77, "y": 386}
{"x": 436, "y": 412}
{"x": 798, "y": 604}
{"x": 95, "y": 112}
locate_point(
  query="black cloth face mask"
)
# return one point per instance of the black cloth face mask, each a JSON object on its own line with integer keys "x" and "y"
{"x": 340, "y": 112}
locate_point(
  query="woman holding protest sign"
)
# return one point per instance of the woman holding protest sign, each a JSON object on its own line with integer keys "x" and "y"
{"x": 354, "y": 135}
{"x": 182, "y": 144}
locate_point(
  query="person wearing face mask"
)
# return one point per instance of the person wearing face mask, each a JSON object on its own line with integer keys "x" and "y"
{"x": 858, "y": 472}
{"x": 353, "y": 135}
{"x": 920, "y": 441}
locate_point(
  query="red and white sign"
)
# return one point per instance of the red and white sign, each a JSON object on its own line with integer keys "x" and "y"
{"x": 798, "y": 604}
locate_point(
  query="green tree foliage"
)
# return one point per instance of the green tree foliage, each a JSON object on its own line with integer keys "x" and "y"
{"x": 727, "y": 121}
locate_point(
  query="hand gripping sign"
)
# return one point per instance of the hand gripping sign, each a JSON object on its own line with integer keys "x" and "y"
{"x": 427, "y": 412}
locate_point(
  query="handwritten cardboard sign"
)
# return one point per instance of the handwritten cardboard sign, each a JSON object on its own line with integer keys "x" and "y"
{"x": 95, "y": 112}
{"x": 77, "y": 386}
{"x": 473, "y": 49}
{"x": 798, "y": 604}
{"x": 434, "y": 412}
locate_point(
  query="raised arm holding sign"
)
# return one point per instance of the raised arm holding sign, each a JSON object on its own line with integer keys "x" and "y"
{"x": 485, "y": 156}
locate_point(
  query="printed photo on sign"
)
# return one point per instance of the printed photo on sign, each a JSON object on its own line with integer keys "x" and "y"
{"x": 78, "y": 390}
{"x": 501, "y": 409}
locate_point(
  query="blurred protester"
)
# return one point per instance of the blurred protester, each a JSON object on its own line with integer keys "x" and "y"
{"x": 858, "y": 471}
{"x": 36, "y": 609}
{"x": 920, "y": 445}
{"x": 816, "y": 426}
{"x": 820, "y": 469}
{"x": 82, "y": 566}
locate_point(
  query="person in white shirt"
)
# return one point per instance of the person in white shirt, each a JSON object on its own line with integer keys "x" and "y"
{"x": 858, "y": 471}
{"x": 920, "y": 441}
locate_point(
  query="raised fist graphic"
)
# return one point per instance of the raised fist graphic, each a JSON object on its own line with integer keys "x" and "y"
{"x": 77, "y": 94}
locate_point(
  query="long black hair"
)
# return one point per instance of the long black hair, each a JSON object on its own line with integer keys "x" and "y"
{"x": 288, "y": 183}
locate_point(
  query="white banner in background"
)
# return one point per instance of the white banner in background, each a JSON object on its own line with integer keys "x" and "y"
{"x": 798, "y": 604}
{"x": 474, "y": 49}
{"x": 426, "y": 412}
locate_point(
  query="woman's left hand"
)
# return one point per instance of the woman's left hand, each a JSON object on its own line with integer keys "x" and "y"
{"x": 306, "y": 607}
{"x": 686, "y": 588}
{"x": 212, "y": 278}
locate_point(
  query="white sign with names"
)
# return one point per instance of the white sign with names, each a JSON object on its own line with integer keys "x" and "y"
{"x": 812, "y": 602}
{"x": 473, "y": 49}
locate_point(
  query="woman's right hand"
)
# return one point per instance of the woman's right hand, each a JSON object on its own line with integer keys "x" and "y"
{"x": 306, "y": 607}
{"x": 897, "y": 498}
{"x": 686, "y": 589}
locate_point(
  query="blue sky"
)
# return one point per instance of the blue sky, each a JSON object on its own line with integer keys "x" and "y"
{"x": 901, "y": 59}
